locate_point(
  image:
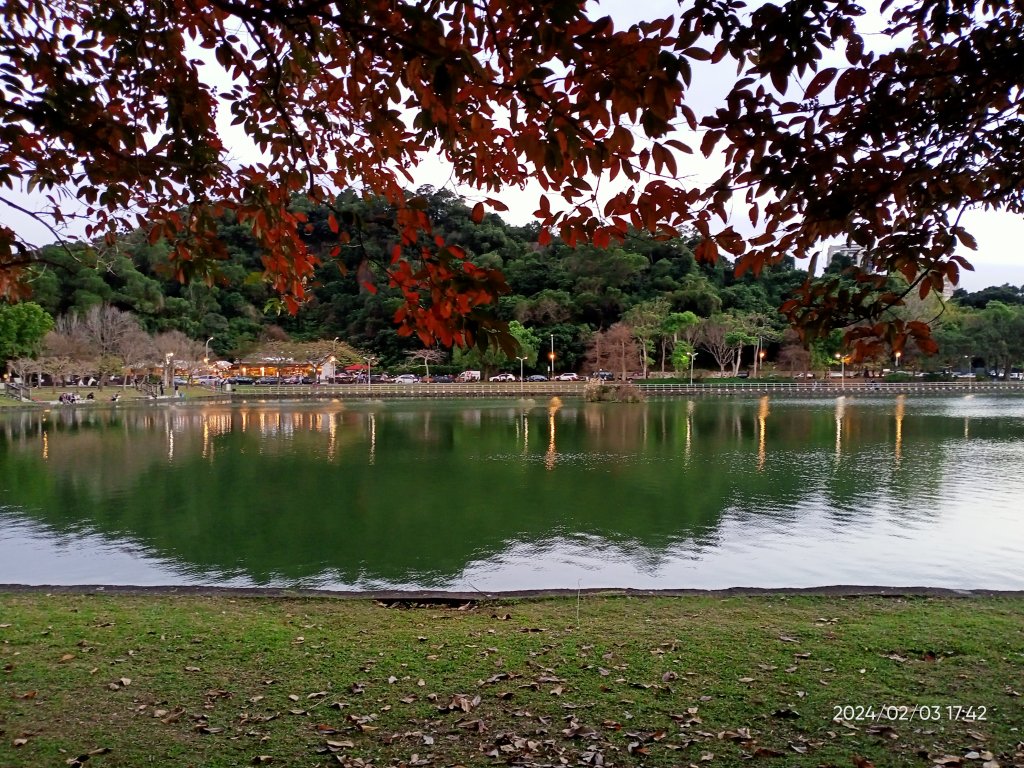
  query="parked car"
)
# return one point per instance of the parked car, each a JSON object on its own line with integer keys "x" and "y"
{"x": 567, "y": 377}
{"x": 241, "y": 380}
{"x": 468, "y": 376}
{"x": 407, "y": 378}
{"x": 602, "y": 375}
{"x": 503, "y": 377}
{"x": 444, "y": 378}
{"x": 537, "y": 377}
{"x": 267, "y": 381}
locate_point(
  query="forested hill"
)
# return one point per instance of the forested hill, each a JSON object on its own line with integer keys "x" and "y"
{"x": 556, "y": 290}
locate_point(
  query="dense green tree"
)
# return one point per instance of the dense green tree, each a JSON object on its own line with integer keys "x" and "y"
{"x": 22, "y": 329}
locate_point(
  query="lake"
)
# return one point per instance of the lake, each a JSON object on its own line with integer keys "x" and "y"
{"x": 501, "y": 495}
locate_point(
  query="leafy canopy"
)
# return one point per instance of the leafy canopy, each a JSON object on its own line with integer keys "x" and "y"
{"x": 888, "y": 147}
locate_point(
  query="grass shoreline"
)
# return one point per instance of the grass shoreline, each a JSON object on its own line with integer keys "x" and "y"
{"x": 221, "y": 679}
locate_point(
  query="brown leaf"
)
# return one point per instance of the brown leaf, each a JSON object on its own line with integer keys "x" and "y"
{"x": 173, "y": 717}
{"x": 19, "y": 742}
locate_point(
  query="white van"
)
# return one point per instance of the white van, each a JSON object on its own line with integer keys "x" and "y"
{"x": 466, "y": 376}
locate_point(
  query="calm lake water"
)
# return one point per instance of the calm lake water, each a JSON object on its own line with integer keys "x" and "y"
{"x": 518, "y": 495}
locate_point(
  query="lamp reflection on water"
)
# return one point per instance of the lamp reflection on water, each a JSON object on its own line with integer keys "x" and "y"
{"x": 551, "y": 457}
{"x": 840, "y": 412}
{"x": 690, "y": 408}
{"x": 332, "y": 434}
{"x": 373, "y": 437}
{"x": 763, "y": 412}
{"x": 901, "y": 404}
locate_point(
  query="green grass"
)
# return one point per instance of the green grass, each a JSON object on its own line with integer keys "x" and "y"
{"x": 47, "y": 396}
{"x": 221, "y": 681}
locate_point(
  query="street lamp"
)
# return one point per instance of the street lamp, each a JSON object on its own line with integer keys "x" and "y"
{"x": 898, "y": 356}
{"x": 842, "y": 369}
{"x": 761, "y": 355}
{"x": 693, "y": 356}
{"x": 206, "y": 351}
{"x": 521, "y": 361}
{"x": 551, "y": 356}
{"x": 369, "y": 372}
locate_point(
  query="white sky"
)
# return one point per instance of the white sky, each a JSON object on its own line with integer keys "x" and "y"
{"x": 999, "y": 235}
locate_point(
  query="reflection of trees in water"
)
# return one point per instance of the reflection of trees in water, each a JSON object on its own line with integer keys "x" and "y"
{"x": 288, "y": 492}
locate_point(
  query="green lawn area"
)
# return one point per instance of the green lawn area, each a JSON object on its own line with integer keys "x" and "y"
{"x": 47, "y": 396}
{"x": 606, "y": 680}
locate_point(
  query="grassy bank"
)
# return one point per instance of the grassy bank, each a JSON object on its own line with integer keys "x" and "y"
{"x": 219, "y": 681}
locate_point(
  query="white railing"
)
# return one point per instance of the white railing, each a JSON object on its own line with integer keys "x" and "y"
{"x": 576, "y": 388}
{"x": 835, "y": 387}
{"x": 453, "y": 390}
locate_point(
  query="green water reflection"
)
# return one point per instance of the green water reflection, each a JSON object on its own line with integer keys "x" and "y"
{"x": 414, "y": 494}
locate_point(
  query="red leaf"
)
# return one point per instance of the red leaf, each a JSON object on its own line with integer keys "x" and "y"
{"x": 820, "y": 82}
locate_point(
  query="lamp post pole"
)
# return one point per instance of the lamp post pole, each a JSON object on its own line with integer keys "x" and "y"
{"x": 552, "y": 356}
{"x": 898, "y": 356}
{"x": 206, "y": 351}
{"x": 693, "y": 356}
{"x": 842, "y": 369}
{"x": 521, "y": 361}
{"x": 761, "y": 355}
{"x": 369, "y": 374}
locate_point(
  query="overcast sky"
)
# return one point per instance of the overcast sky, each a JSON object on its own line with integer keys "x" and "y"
{"x": 999, "y": 235}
